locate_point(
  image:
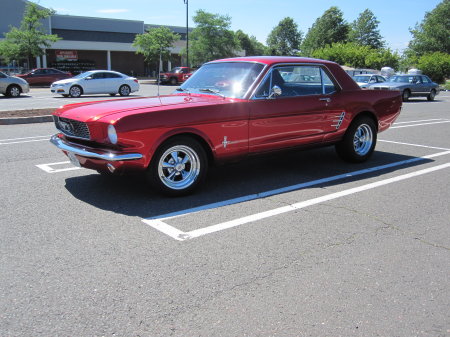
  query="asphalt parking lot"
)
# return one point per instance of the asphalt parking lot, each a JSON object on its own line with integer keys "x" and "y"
{"x": 41, "y": 97}
{"x": 297, "y": 244}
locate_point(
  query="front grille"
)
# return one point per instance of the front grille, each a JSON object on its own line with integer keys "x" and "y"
{"x": 72, "y": 128}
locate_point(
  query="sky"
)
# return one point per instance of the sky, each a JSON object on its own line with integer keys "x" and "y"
{"x": 257, "y": 17}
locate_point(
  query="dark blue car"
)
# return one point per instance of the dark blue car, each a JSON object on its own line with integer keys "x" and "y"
{"x": 410, "y": 86}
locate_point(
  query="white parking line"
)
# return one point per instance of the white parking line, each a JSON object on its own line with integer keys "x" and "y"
{"x": 417, "y": 145}
{"x": 421, "y": 124}
{"x": 420, "y": 121}
{"x": 49, "y": 169}
{"x": 158, "y": 223}
{"x": 24, "y": 140}
{"x": 181, "y": 236}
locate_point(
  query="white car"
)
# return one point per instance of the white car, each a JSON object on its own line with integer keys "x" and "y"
{"x": 12, "y": 86}
{"x": 366, "y": 80}
{"x": 96, "y": 82}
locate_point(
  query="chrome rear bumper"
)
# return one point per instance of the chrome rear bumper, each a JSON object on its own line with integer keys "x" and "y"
{"x": 78, "y": 150}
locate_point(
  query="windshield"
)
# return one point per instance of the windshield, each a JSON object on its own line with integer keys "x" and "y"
{"x": 3, "y": 75}
{"x": 360, "y": 78}
{"x": 83, "y": 75}
{"x": 228, "y": 79}
{"x": 175, "y": 70}
{"x": 401, "y": 79}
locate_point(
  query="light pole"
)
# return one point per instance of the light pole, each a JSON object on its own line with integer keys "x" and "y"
{"x": 186, "y": 2}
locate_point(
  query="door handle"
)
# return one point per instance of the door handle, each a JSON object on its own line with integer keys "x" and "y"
{"x": 326, "y": 99}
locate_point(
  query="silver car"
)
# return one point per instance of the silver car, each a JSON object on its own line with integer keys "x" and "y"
{"x": 12, "y": 86}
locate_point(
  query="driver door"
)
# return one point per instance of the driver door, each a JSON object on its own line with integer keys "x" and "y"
{"x": 305, "y": 108}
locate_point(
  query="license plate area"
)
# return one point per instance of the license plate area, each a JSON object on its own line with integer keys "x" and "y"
{"x": 73, "y": 159}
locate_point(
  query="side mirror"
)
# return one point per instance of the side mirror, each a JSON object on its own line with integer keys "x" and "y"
{"x": 276, "y": 91}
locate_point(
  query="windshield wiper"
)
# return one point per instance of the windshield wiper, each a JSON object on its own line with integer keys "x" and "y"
{"x": 214, "y": 91}
{"x": 181, "y": 89}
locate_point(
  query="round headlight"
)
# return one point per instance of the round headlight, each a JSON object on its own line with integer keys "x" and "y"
{"x": 112, "y": 134}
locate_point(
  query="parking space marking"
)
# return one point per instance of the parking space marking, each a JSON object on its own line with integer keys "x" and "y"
{"x": 24, "y": 140}
{"x": 182, "y": 236}
{"x": 158, "y": 223}
{"x": 420, "y": 121}
{"x": 49, "y": 169}
{"x": 417, "y": 145}
{"x": 420, "y": 124}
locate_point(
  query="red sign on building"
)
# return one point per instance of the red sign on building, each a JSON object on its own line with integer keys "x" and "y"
{"x": 66, "y": 55}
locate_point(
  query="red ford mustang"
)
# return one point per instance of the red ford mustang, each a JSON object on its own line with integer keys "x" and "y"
{"x": 228, "y": 109}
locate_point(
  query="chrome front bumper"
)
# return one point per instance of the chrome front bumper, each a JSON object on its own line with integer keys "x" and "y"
{"x": 78, "y": 150}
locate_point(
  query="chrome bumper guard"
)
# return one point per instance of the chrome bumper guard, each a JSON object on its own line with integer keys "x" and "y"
{"x": 61, "y": 144}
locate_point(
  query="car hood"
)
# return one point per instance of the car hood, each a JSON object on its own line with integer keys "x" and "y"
{"x": 67, "y": 80}
{"x": 117, "y": 108}
{"x": 391, "y": 84}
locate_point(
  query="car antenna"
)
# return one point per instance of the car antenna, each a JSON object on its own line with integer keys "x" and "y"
{"x": 159, "y": 70}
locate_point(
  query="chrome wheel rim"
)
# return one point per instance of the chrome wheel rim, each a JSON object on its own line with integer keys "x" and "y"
{"x": 15, "y": 91}
{"x": 124, "y": 90}
{"x": 363, "y": 139}
{"x": 75, "y": 91}
{"x": 179, "y": 167}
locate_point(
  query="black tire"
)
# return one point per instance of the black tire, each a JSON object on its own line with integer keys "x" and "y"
{"x": 406, "y": 94}
{"x": 173, "y": 81}
{"x": 359, "y": 140}
{"x": 431, "y": 95}
{"x": 178, "y": 167}
{"x": 124, "y": 90}
{"x": 75, "y": 91}
{"x": 13, "y": 91}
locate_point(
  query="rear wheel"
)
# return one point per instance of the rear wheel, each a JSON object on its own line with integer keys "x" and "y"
{"x": 75, "y": 91}
{"x": 173, "y": 81}
{"x": 405, "y": 95}
{"x": 431, "y": 95}
{"x": 124, "y": 90}
{"x": 359, "y": 140}
{"x": 178, "y": 167}
{"x": 13, "y": 91}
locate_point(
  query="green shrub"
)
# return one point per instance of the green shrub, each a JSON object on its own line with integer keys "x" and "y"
{"x": 435, "y": 65}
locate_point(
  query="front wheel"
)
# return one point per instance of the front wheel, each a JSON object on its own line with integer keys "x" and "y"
{"x": 405, "y": 95}
{"x": 431, "y": 95}
{"x": 178, "y": 167}
{"x": 359, "y": 141}
{"x": 75, "y": 91}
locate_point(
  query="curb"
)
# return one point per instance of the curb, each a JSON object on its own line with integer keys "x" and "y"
{"x": 26, "y": 120}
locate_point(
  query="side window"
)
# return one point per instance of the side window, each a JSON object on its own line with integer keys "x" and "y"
{"x": 98, "y": 76}
{"x": 425, "y": 79}
{"x": 297, "y": 80}
{"x": 327, "y": 83}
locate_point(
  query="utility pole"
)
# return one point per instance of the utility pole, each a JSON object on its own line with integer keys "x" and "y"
{"x": 186, "y": 2}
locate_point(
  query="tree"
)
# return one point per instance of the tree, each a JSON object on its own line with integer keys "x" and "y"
{"x": 357, "y": 56}
{"x": 329, "y": 28}
{"x": 212, "y": 38}
{"x": 364, "y": 30}
{"x": 29, "y": 40}
{"x": 433, "y": 34}
{"x": 155, "y": 43}
{"x": 285, "y": 38}
{"x": 436, "y": 65}
{"x": 250, "y": 44}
